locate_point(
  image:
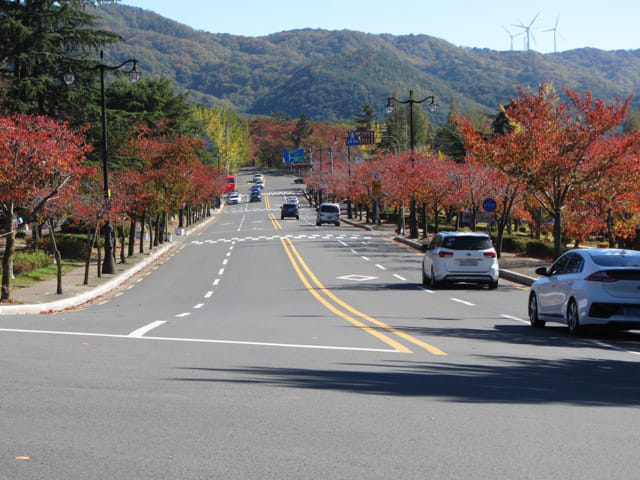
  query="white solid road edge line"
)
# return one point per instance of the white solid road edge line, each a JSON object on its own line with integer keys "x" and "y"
{"x": 140, "y": 332}
{"x": 200, "y": 340}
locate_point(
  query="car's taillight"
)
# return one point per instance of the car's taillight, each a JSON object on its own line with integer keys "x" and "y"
{"x": 601, "y": 276}
{"x": 491, "y": 254}
{"x": 443, "y": 254}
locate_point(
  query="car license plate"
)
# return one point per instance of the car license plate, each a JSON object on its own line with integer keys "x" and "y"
{"x": 468, "y": 263}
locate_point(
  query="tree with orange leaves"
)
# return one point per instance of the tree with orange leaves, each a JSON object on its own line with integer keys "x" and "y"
{"x": 552, "y": 147}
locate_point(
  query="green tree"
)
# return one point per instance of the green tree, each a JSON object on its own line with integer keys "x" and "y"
{"x": 447, "y": 137}
{"x": 366, "y": 119}
{"x": 39, "y": 42}
{"x": 302, "y": 130}
{"x": 151, "y": 101}
{"x": 632, "y": 122}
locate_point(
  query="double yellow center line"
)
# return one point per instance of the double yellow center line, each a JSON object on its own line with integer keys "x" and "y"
{"x": 378, "y": 329}
{"x": 274, "y": 220}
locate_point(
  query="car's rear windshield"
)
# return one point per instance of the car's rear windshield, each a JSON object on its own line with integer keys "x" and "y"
{"x": 329, "y": 208}
{"x": 467, "y": 243}
{"x": 619, "y": 260}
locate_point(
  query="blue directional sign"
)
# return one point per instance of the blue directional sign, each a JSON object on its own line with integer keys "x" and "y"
{"x": 489, "y": 205}
{"x": 294, "y": 155}
{"x": 352, "y": 139}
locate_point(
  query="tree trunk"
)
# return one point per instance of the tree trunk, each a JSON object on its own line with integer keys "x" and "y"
{"x": 413, "y": 219}
{"x": 91, "y": 241}
{"x": 151, "y": 232}
{"x": 132, "y": 236}
{"x": 142, "y": 224}
{"x": 35, "y": 236}
{"x": 56, "y": 255}
{"x": 98, "y": 246}
{"x": 123, "y": 257}
{"x": 423, "y": 212}
{"x": 7, "y": 259}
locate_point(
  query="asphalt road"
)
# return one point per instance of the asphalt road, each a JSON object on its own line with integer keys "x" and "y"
{"x": 268, "y": 348}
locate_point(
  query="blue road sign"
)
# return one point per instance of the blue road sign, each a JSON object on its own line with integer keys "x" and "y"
{"x": 352, "y": 139}
{"x": 489, "y": 205}
{"x": 294, "y": 156}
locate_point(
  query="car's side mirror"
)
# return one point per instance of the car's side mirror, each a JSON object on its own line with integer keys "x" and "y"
{"x": 542, "y": 271}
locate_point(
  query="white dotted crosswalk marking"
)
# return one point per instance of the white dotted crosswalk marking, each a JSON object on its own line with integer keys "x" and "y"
{"x": 278, "y": 237}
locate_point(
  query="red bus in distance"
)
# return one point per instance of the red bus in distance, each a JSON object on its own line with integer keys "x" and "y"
{"x": 231, "y": 184}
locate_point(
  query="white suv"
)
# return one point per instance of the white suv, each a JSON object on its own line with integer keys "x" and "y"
{"x": 328, "y": 213}
{"x": 460, "y": 257}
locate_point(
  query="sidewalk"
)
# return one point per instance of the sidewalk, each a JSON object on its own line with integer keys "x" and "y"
{"x": 42, "y": 297}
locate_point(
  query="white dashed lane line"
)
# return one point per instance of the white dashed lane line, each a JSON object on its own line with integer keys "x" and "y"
{"x": 399, "y": 277}
{"x": 208, "y": 294}
{"x": 464, "y": 302}
{"x": 380, "y": 266}
{"x": 216, "y": 282}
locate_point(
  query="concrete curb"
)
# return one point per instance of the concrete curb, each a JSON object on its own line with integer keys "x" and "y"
{"x": 63, "y": 304}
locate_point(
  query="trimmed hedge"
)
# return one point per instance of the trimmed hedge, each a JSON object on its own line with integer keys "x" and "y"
{"x": 70, "y": 245}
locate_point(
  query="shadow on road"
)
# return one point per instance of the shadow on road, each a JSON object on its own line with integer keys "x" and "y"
{"x": 493, "y": 380}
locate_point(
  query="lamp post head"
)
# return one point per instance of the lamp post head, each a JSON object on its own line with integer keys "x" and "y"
{"x": 134, "y": 75}
{"x": 69, "y": 77}
{"x": 388, "y": 107}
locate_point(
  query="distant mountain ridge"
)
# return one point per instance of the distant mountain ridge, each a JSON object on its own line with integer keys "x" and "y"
{"x": 329, "y": 75}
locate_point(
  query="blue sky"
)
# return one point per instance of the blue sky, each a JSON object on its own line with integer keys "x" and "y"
{"x": 608, "y": 25}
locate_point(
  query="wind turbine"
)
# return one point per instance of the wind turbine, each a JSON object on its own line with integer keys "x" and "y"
{"x": 555, "y": 32}
{"x": 527, "y": 31}
{"x": 511, "y": 36}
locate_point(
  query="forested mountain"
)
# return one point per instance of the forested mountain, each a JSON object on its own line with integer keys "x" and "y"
{"x": 329, "y": 75}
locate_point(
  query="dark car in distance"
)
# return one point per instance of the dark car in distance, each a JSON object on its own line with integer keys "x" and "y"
{"x": 255, "y": 196}
{"x": 289, "y": 210}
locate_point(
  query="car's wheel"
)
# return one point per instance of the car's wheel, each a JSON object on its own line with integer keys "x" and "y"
{"x": 317, "y": 224}
{"x": 573, "y": 318}
{"x": 493, "y": 285}
{"x": 297, "y": 217}
{"x": 425, "y": 279}
{"x": 281, "y": 217}
{"x": 337, "y": 224}
{"x": 534, "y": 320}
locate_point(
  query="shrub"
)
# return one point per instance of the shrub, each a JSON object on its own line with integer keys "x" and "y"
{"x": 535, "y": 248}
{"x": 24, "y": 262}
{"x": 72, "y": 245}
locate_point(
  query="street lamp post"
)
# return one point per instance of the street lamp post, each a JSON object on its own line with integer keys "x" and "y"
{"x": 108, "y": 264}
{"x": 413, "y": 220}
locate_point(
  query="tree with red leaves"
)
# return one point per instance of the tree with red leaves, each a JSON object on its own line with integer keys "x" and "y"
{"x": 40, "y": 160}
{"x": 553, "y": 148}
